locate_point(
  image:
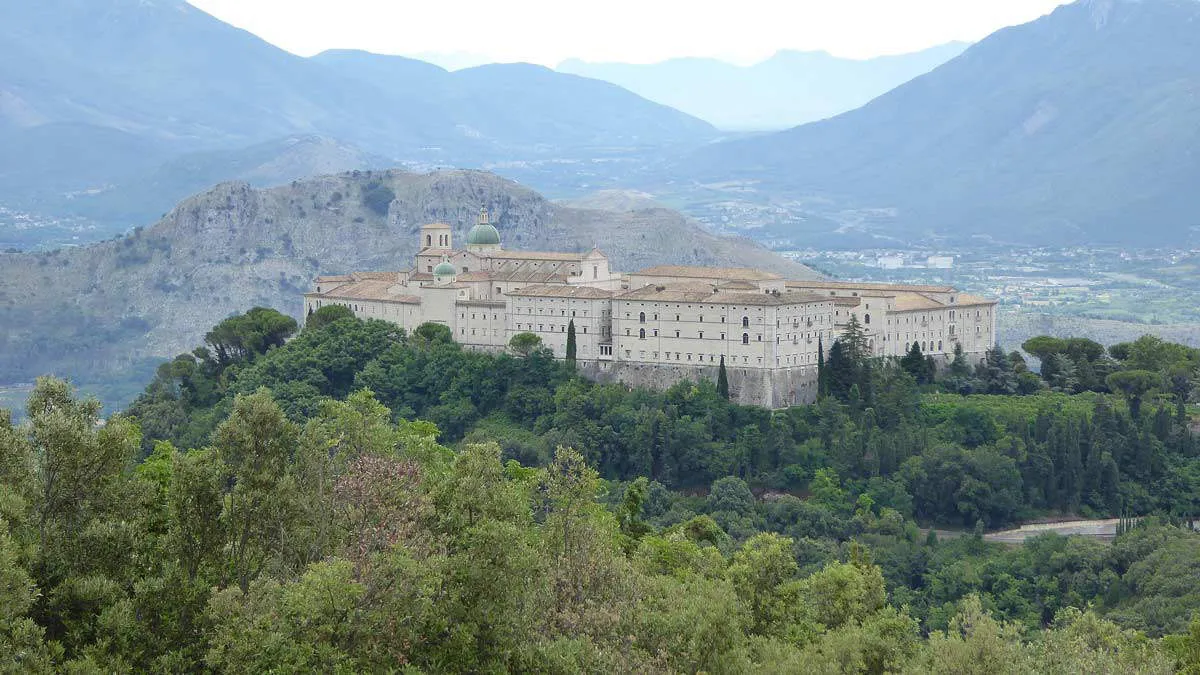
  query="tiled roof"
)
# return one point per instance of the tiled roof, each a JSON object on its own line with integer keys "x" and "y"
{"x": 916, "y": 301}
{"x": 966, "y": 299}
{"x": 533, "y": 255}
{"x": 367, "y": 290}
{"x": 867, "y": 286}
{"x": 562, "y": 291}
{"x": 375, "y": 276}
{"x": 729, "y": 273}
{"x": 703, "y": 294}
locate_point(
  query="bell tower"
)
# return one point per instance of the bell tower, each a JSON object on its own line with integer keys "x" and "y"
{"x": 435, "y": 236}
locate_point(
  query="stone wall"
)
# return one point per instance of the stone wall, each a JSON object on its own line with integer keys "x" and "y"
{"x": 777, "y": 388}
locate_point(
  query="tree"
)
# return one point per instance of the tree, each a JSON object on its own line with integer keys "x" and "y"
{"x": 915, "y": 364}
{"x": 256, "y": 444}
{"x": 248, "y": 336}
{"x": 524, "y": 344}
{"x": 996, "y": 372}
{"x": 1044, "y": 346}
{"x": 378, "y": 198}
{"x": 571, "y": 347}
{"x": 854, "y": 341}
{"x": 723, "y": 380}
{"x": 327, "y": 315}
{"x": 1134, "y": 385}
{"x": 757, "y": 571}
{"x": 959, "y": 368}
{"x": 430, "y": 333}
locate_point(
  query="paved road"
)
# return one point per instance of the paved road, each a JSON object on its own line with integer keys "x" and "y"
{"x": 1099, "y": 529}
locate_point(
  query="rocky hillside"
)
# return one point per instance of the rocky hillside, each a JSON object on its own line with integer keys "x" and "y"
{"x": 126, "y": 302}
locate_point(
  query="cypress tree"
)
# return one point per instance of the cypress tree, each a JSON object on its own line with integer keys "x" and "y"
{"x": 723, "y": 380}
{"x": 571, "y": 347}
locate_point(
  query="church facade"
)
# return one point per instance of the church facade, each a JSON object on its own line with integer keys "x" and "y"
{"x": 660, "y": 325}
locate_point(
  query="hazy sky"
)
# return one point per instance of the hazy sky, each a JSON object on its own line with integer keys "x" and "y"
{"x": 636, "y": 31}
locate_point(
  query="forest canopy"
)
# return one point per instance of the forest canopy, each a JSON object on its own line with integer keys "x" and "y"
{"x": 357, "y": 499}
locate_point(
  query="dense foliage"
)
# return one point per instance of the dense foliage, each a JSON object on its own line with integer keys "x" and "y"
{"x": 281, "y": 510}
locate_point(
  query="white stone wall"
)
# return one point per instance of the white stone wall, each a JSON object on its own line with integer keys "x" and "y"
{"x": 748, "y": 336}
{"x": 549, "y": 317}
{"x": 481, "y": 324}
{"x": 406, "y": 315}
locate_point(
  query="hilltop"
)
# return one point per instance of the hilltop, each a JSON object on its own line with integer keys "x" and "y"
{"x": 128, "y": 301}
{"x": 1078, "y": 128}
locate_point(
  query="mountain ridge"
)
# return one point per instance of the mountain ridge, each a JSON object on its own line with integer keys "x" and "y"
{"x": 1075, "y": 128}
{"x": 97, "y": 94}
{"x": 789, "y": 88}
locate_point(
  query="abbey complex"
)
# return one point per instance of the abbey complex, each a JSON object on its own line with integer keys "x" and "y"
{"x": 660, "y": 325}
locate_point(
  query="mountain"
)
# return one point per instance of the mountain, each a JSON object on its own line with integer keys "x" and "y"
{"x": 788, "y": 89}
{"x": 520, "y": 105}
{"x": 115, "y": 306}
{"x": 1079, "y": 128}
{"x": 100, "y": 97}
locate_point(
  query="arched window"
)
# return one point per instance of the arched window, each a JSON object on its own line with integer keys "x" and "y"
{"x": 939, "y": 345}
{"x": 745, "y": 322}
{"x": 428, "y": 240}
{"x": 642, "y": 333}
{"x": 922, "y": 346}
{"x": 642, "y": 317}
{"x": 866, "y": 318}
{"x": 745, "y": 338}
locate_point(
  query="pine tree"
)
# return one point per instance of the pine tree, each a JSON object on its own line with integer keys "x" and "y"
{"x": 571, "y": 347}
{"x": 854, "y": 341}
{"x": 723, "y": 380}
{"x": 914, "y": 363}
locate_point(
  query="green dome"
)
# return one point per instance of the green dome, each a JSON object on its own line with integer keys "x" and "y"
{"x": 483, "y": 234}
{"x": 444, "y": 269}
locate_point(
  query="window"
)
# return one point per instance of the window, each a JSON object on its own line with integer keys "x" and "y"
{"x": 676, "y": 333}
{"x": 595, "y": 271}
{"x": 745, "y": 322}
{"x": 428, "y": 240}
{"x": 464, "y": 269}
{"x": 642, "y": 334}
{"x": 867, "y": 318}
{"x": 642, "y": 317}
{"x": 745, "y": 338}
